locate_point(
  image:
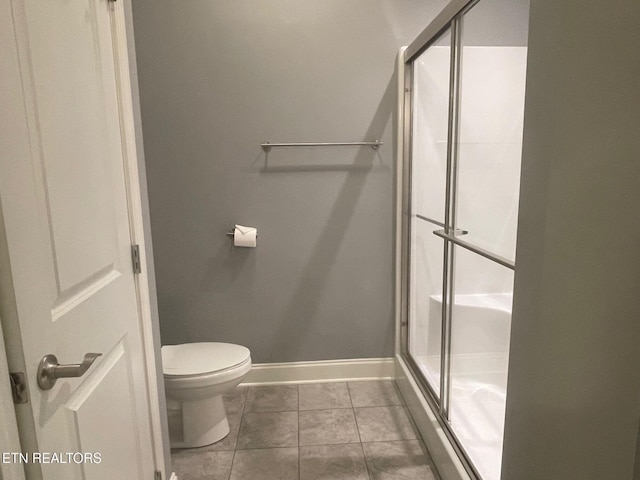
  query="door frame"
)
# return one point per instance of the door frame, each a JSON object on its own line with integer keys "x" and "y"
{"x": 8, "y": 420}
{"x": 9, "y": 437}
{"x": 136, "y": 223}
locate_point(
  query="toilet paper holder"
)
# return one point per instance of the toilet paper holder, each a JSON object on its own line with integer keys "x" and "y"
{"x": 232, "y": 234}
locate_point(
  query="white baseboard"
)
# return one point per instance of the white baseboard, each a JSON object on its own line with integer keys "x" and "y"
{"x": 444, "y": 456}
{"x": 320, "y": 371}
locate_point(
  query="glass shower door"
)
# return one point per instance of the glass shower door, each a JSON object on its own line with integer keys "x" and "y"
{"x": 492, "y": 77}
{"x": 431, "y": 78}
{"x": 467, "y": 101}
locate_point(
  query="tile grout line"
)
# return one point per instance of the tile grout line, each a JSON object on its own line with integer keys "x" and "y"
{"x": 246, "y": 399}
{"x": 353, "y": 408}
{"x": 353, "y": 411}
{"x": 235, "y": 447}
{"x": 261, "y": 448}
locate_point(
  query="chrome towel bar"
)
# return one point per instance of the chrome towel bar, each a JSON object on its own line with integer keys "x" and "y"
{"x": 266, "y": 146}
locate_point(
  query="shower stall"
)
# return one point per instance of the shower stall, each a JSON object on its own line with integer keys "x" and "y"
{"x": 462, "y": 123}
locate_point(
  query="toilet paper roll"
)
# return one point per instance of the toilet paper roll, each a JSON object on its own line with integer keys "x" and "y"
{"x": 245, "y": 236}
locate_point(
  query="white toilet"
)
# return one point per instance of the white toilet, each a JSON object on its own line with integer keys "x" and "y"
{"x": 196, "y": 375}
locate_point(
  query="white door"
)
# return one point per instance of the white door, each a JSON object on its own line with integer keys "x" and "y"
{"x": 71, "y": 287}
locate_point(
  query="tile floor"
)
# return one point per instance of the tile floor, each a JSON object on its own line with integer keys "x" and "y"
{"x": 329, "y": 431}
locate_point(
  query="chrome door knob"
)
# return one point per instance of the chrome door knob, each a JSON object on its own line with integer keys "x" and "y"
{"x": 49, "y": 370}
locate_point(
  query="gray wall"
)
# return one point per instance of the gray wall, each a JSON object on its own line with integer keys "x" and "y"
{"x": 497, "y": 23}
{"x": 219, "y": 77}
{"x": 574, "y": 378}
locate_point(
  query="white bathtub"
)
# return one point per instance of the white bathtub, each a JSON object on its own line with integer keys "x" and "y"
{"x": 480, "y": 329}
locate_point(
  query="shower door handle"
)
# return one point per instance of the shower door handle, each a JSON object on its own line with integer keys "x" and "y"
{"x": 458, "y": 231}
{"x": 505, "y": 262}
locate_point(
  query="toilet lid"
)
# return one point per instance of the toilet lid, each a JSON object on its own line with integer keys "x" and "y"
{"x": 201, "y": 358}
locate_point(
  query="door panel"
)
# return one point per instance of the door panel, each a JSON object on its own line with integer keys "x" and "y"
{"x": 492, "y": 82}
{"x": 480, "y": 333}
{"x": 87, "y": 407}
{"x": 76, "y": 101}
{"x": 425, "y": 302}
{"x": 68, "y": 243}
{"x": 431, "y": 79}
{"x": 430, "y": 120}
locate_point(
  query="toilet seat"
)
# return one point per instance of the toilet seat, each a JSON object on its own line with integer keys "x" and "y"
{"x": 202, "y": 359}
{"x": 177, "y": 383}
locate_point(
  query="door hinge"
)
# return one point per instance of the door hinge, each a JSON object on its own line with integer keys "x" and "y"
{"x": 18, "y": 387}
{"x": 135, "y": 258}
{"x": 157, "y": 475}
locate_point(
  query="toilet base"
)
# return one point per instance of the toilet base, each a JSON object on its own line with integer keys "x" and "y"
{"x": 198, "y": 423}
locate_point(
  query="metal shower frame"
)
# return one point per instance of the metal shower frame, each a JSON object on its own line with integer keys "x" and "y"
{"x": 449, "y": 19}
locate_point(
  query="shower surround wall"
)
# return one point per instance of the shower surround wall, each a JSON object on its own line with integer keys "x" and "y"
{"x": 219, "y": 77}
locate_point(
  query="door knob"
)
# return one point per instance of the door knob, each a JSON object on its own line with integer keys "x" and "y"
{"x": 49, "y": 370}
